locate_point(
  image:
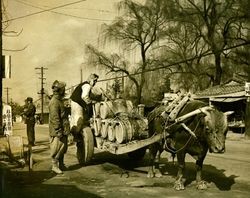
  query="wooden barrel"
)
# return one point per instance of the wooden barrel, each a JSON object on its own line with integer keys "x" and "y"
{"x": 130, "y": 106}
{"x": 97, "y": 109}
{"x": 123, "y": 130}
{"x": 120, "y": 106}
{"x": 133, "y": 129}
{"x": 120, "y": 132}
{"x": 129, "y": 130}
{"x": 97, "y": 126}
{"x": 111, "y": 132}
{"x": 104, "y": 128}
{"x": 108, "y": 109}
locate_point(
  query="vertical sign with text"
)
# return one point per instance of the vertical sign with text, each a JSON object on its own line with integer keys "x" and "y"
{"x": 247, "y": 89}
{"x": 7, "y": 120}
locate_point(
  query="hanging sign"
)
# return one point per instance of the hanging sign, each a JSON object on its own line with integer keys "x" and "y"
{"x": 247, "y": 89}
{"x": 7, "y": 119}
{"x": 6, "y": 66}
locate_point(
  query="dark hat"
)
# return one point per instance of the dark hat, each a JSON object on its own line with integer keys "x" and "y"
{"x": 58, "y": 85}
{"x": 93, "y": 77}
{"x": 29, "y": 99}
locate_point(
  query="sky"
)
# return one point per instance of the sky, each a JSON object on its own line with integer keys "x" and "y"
{"x": 53, "y": 41}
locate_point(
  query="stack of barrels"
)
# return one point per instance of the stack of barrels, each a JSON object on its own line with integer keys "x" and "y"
{"x": 113, "y": 121}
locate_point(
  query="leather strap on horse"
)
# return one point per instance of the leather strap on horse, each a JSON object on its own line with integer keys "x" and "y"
{"x": 192, "y": 134}
{"x": 193, "y": 113}
{"x": 188, "y": 130}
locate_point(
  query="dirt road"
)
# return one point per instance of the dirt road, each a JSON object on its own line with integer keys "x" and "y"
{"x": 110, "y": 176}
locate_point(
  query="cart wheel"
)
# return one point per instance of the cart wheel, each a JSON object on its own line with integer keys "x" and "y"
{"x": 137, "y": 154}
{"x": 85, "y": 148}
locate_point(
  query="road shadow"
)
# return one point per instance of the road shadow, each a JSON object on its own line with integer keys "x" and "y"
{"x": 104, "y": 157}
{"x": 74, "y": 167}
{"x": 210, "y": 174}
{"x": 123, "y": 161}
{"x": 31, "y": 184}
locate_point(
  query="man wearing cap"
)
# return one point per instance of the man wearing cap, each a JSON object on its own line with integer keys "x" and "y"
{"x": 81, "y": 107}
{"x": 29, "y": 113}
{"x": 58, "y": 127}
{"x": 81, "y": 103}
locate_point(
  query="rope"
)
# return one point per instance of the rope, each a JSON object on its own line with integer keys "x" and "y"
{"x": 175, "y": 152}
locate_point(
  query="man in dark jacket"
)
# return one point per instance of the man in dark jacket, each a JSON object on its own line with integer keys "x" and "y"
{"x": 29, "y": 113}
{"x": 58, "y": 127}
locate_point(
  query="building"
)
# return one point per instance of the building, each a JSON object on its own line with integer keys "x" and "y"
{"x": 228, "y": 97}
{"x": 45, "y": 116}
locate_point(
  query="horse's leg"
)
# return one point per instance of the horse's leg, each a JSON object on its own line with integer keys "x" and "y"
{"x": 152, "y": 155}
{"x": 157, "y": 162}
{"x": 200, "y": 184}
{"x": 179, "y": 183}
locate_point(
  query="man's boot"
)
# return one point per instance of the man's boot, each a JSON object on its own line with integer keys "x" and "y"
{"x": 55, "y": 168}
{"x": 61, "y": 164}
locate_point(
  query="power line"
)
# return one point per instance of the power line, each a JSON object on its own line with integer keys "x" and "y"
{"x": 74, "y": 8}
{"x": 45, "y": 10}
{"x": 170, "y": 65}
{"x": 65, "y": 14}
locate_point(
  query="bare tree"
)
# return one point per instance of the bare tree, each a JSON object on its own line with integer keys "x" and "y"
{"x": 184, "y": 43}
{"x": 5, "y": 26}
{"x": 240, "y": 56}
{"x": 140, "y": 27}
{"x": 219, "y": 24}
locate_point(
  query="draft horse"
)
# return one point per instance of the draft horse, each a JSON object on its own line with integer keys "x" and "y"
{"x": 209, "y": 130}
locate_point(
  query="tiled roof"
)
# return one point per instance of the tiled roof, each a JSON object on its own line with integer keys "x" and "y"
{"x": 219, "y": 90}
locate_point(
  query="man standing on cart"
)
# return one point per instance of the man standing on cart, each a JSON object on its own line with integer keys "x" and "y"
{"x": 81, "y": 104}
{"x": 81, "y": 109}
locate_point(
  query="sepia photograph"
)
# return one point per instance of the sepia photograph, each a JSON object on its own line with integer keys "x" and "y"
{"x": 125, "y": 98}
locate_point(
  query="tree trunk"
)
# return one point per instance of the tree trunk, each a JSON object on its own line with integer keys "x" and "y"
{"x": 218, "y": 69}
{"x": 138, "y": 94}
{"x": 247, "y": 119}
{"x": 142, "y": 81}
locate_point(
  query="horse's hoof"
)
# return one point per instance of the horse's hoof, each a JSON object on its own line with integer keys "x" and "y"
{"x": 158, "y": 174}
{"x": 178, "y": 185}
{"x": 201, "y": 185}
{"x": 150, "y": 175}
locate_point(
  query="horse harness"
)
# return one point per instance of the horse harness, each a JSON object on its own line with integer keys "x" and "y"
{"x": 184, "y": 126}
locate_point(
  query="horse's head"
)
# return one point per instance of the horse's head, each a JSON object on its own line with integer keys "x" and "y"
{"x": 215, "y": 130}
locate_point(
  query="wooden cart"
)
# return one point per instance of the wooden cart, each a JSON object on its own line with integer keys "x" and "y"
{"x": 109, "y": 134}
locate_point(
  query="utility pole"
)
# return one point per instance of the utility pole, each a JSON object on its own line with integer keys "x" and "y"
{"x": 7, "y": 94}
{"x": 81, "y": 74}
{"x": 42, "y": 89}
{"x": 247, "y": 112}
{"x": 1, "y": 73}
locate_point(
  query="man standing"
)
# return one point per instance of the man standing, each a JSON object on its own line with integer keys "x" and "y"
{"x": 81, "y": 111}
{"x": 81, "y": 104}
{"x": 29, "y": 113}
{"x": 58, "y": 127}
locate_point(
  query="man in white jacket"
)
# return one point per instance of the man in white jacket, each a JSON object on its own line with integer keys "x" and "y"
{"x": 81, "y": 107}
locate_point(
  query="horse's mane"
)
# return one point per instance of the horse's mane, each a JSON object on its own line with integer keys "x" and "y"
{"x": 191, "y": 106}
